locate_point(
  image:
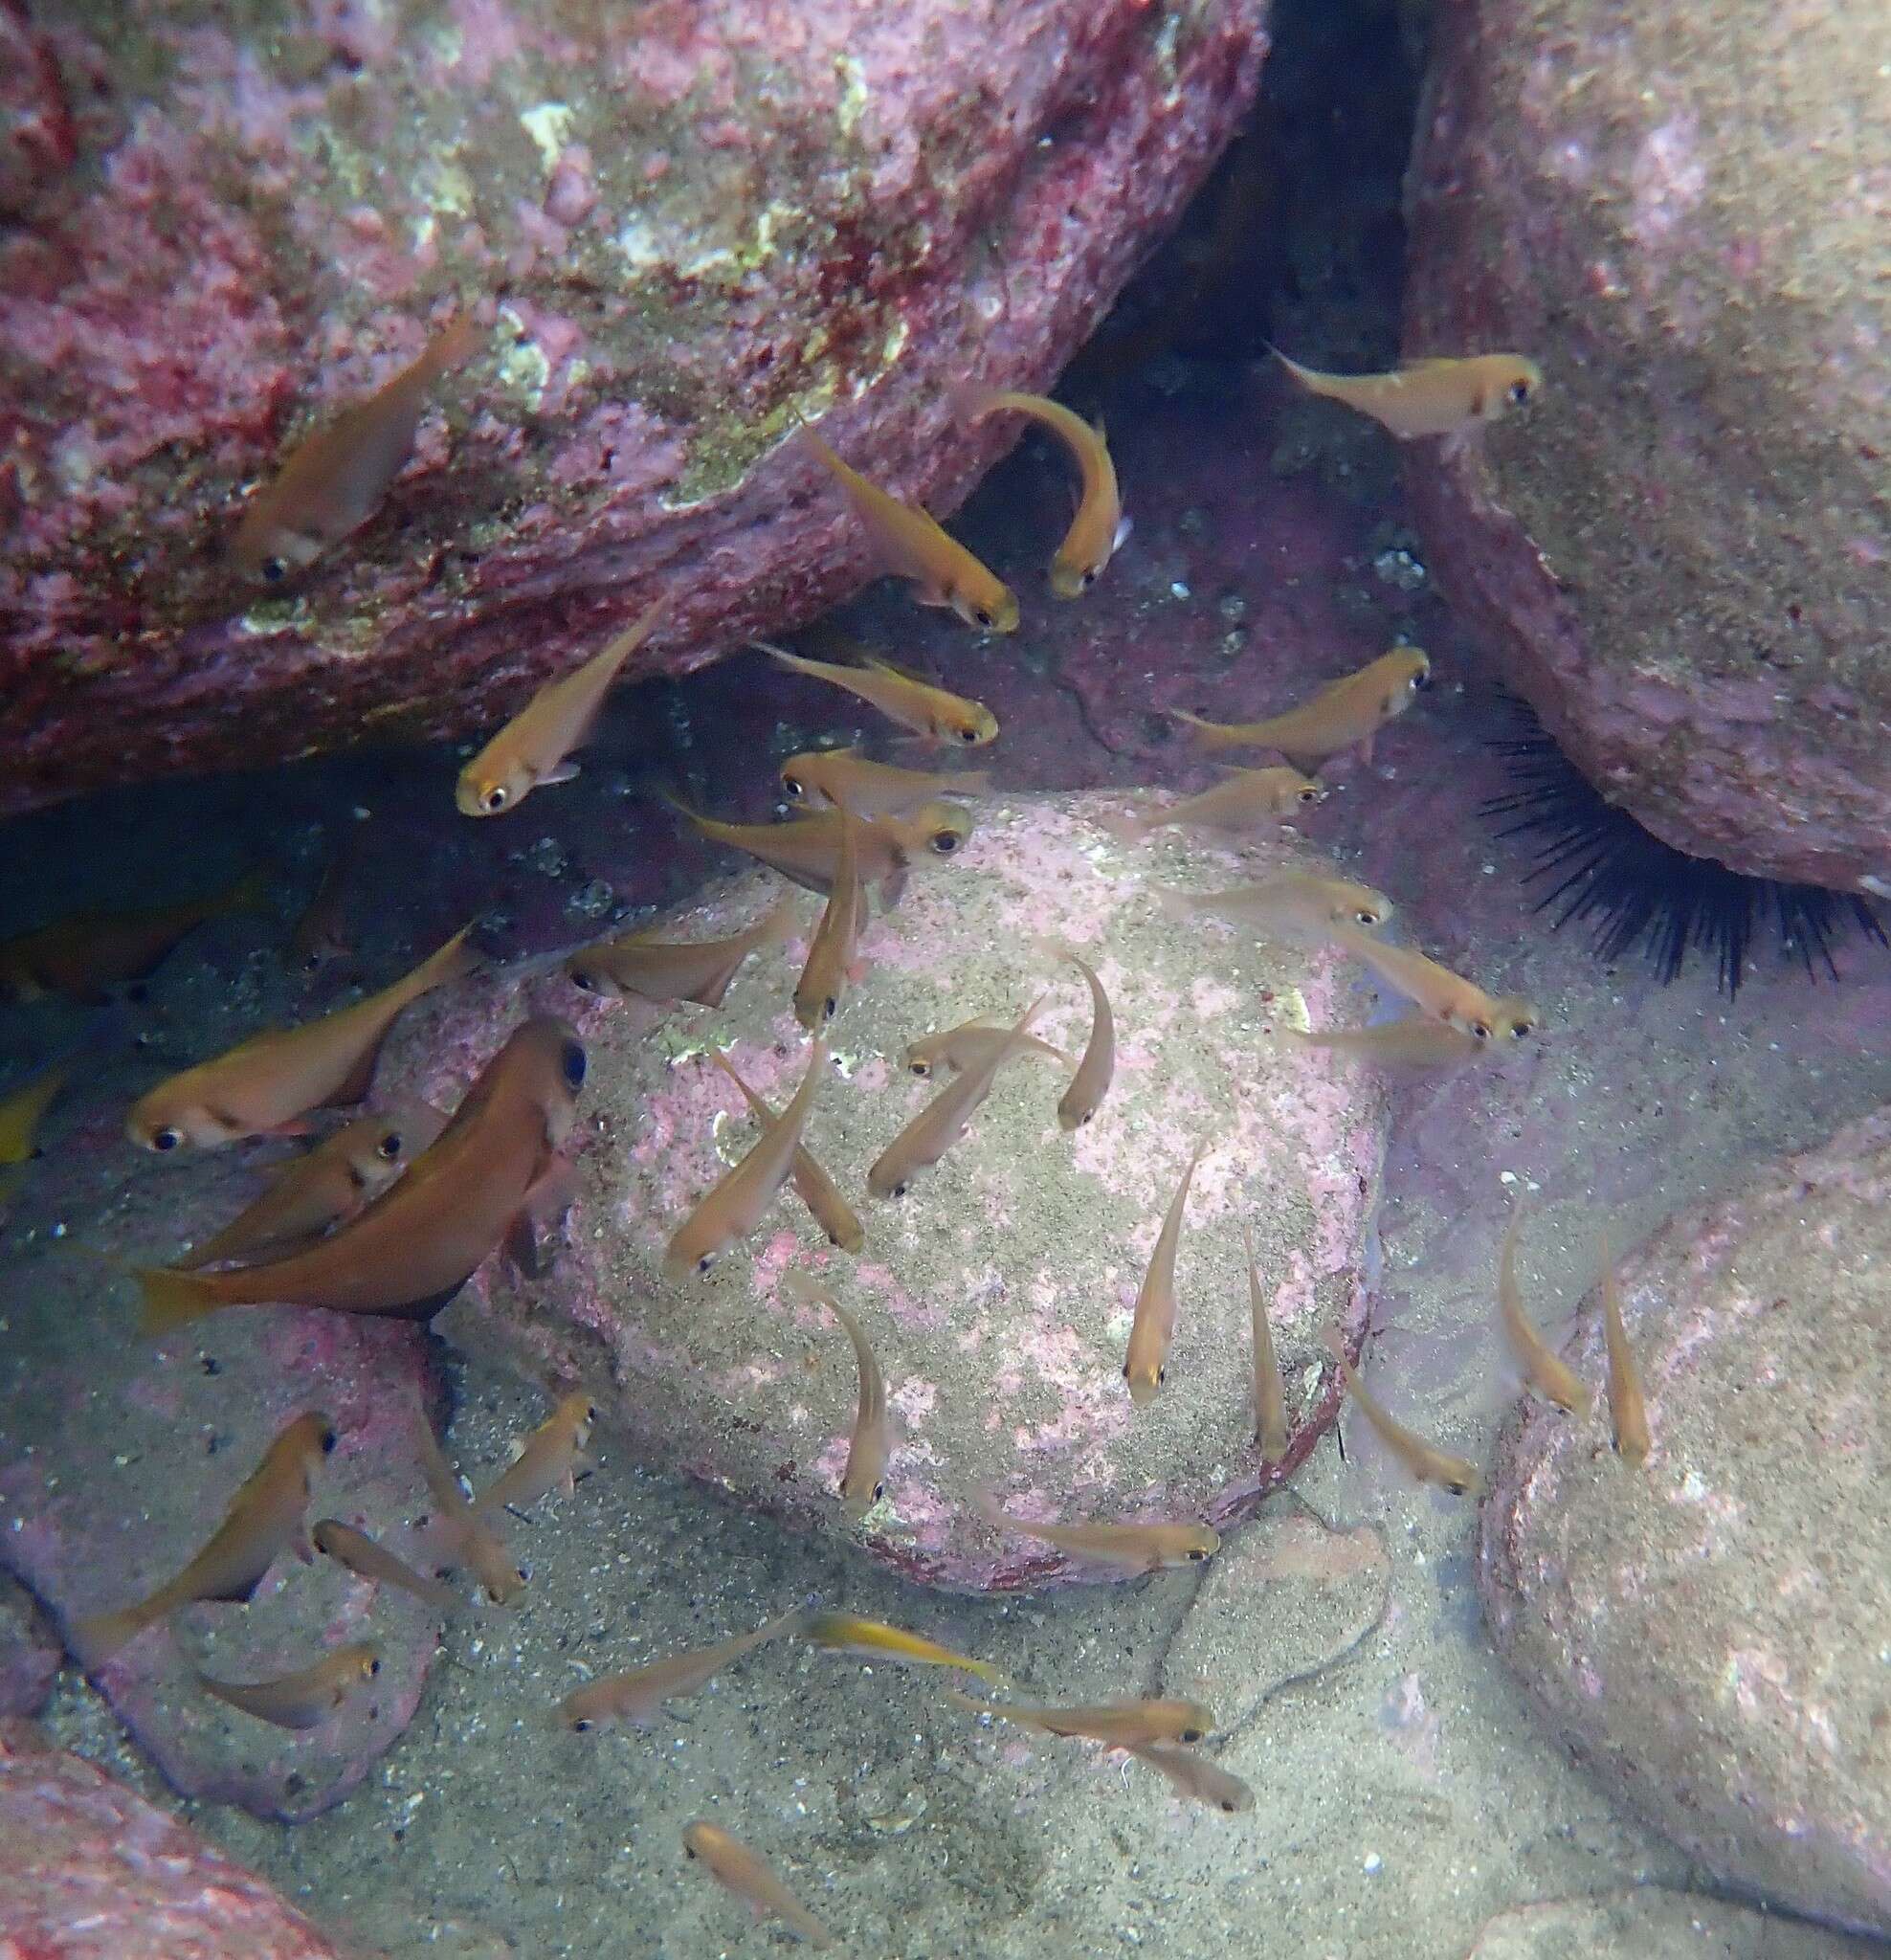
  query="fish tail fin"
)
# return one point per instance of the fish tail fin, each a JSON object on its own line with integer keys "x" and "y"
{"x": 452, "y": 960}
{"x": 172, "y": 1299}
{"x": 1209, "y": 734}
{"x": 1305, "y": 376}
{"x": 96, "y": 1638}
{"x": 249, "y": 894}
{"x": 1126, "y": 827}
{"x": 986, "y": 1671}
{"x": 1052, "y": 947}
{"x": 453, "y": 346}
{"x": 970, "y": 1703}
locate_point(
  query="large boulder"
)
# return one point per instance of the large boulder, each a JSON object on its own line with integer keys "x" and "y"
{"x": 685, "y": 228}
{"x": 1708, "y": 1633}
{"x": 1682, "y": 550}
{"x": 998, "y": 1292}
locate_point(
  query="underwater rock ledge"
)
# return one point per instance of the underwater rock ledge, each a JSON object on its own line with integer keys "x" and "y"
{"x": 684, "y": 227}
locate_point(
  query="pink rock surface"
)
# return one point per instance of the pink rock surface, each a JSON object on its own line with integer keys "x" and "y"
{"x": 121, "y": 1453}
{"x": 90, "y": 1871}
{"x": 1682, "y": 549}
{"x": 1708, "y": 1633}
{"x": 29, "y": 1653}
{"x": 686, "y": 229}
{"x": 998, "y": 1292}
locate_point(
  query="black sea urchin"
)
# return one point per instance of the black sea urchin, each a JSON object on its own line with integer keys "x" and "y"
{"x": 1632, "y": 889}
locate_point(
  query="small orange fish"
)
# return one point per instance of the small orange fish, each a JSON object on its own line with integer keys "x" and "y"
{"x": 741, "y": 1198}
{"x": 1546, "y": 1371}
{"x": 552, "y": 1457}
{"x": 830, "y": 949}
{"x": 813, "y": 1185}
{"x": 943, "y": 1122}
{"x": 533, "y": 749}
{"x": 843, "y": 1633}
{"x": 910, "y": 545}
{"x": 807, "y": 848}
{"x": 324, "y": 1187}
{"x": 82, "y": 956}
{"x": 1291, "y": 905}
{"x": 930, "y": 712}
{"x": 334, "y": 480}
{"x": 843, "y": 778}
{"x": 1152, "y": 1331}
{"x": 1423, "y": 1461}
{"x": 1116, "y": 1725}
{"x": 368, "y": 1560}
{"x": 656, "y": 970}
{"x": 1270, "y": 1392}
{"x": 971, "y": 1043}
{"x": 24, "y": 1108}
{"x": 730, "y": 1862}
{"x": 1627, "y": 1405}
{"x": 1129, "y": 1547}
{"x": 1095, "y": 1073}
{"x": 1098, "y": 527}
{"x": 1438, "y": 990}
{"x": 425, "y": 1235}
{"x": 1413, "y": 1041}
{"x": 306, "y": 1699}
{"x": 639, "y": 1695}
{"x": 276, "y": 1076}
{"x": 1345, "y": 714}
{"x": 264, "y": 1518}
{"x": 319, "y": 933}
{"x": 863, "y": 1482}
{"x": 1243, "y": 801}
{"x": 1436, "y": 397}
{"x": 463, "y": 1538}
{"x": 1197, "y": 1778}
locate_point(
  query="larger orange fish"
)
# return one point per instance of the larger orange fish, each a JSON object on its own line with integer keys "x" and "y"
{"x": 661, "y": 969}
{"x": 1116, "y": 1725}
{"x": 272, "y": 1079}
{"x": 1095, "y": 1073}
{"x": 85, "y": 954}
{"x": 1543, "y": 1369}
{"x": 1130, "y": 1547}
{"x": 421, "y": 1239}
{"x": 1441, "y": 395}
{"x": 1244, "y": 800}
{"x": 730, "y": 1862}
{"x": 930, "y": 712}
{"x": 639, "y": 1695}
{"x": 807, "y": 848}
{"x": 863, "y": 1482}
{"x": 843, "y": 778}
{"x": 334, "y": 480}
{"x": 1152, "y": 1330}
{"x": 826, "y": 1204}
{"x": 1628, "y": 1404}
{"x": 264, "y": 1518}
{"x": 910, "y": 545}
{"x": 1424, "y": 1460}
{"x": 534, "y": 747}
{"x": 1345, "y": 713}
{"x": 306, "y": 1698}
{"x": 1438, "y": 990}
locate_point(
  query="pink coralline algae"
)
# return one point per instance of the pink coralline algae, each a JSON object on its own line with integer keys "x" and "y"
{"x": 683, "y": 229}
{"x": 997, "y": 1293}
{"x": 90, "y": 1871}
{"x": 1678, "y": 550}
{"x": 1708, "y": 1633}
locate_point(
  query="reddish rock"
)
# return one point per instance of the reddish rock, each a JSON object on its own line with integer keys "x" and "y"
{"x": 1682, "y": 550}
{"x": 1708, "y": 1633}
{"x": 998, "y": 1292}
{"x": 29, "y": 1653}
{"x": 37, "y": 137}
{"x": 686, "y": 230}
{"x": 90, "y": 1871}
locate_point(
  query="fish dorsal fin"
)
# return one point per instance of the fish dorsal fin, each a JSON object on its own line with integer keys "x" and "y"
{"x": 879, "y": 663}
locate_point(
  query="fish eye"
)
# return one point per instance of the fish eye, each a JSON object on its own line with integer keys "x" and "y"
{"x": 329, "y": 1442}
{"x": 1457, "y": 1486}
{"x": 1228, "y": 1806}
{"x": 689, "y": 1851}
{"x": 274, "y": 570}
{"x": 920, "y": 1068}
{"x": 166, "y": 1139}
{"x": 1307, "y": 795}
{"x": 707, "y": 1260}
{"x": 1518, "y": 1029}
{"x": 1195, "y": 1553}
{"x": 899, "y": 1190}
{"x": 793, "y": 786}
{"x": 1194, "y": 1735}
{"x": 982, "y": 617}
{"x": 1422, "y": 678}
{"x": 880, "y": 1491}
{"x": 1162, "y": 1375}
{"x": 571, "y": 1063}
{"x": 1519, "y": 392}
{"x": 582, "y": 1725}
{"x": 390, "y": 1145}
{"x": 1125, "y": 1371}
{"x": 969, "y": 736}
{"x": 1481, "y": 1030}
{"x": 1365, "y": 916}
{"x": 1087, "y": 577}
{"x": 373, "y": 1667}
{"x": 582, "y": 980}
{"x": 945, "y": 842}
{"x": 494, "y": 799}
{"x": 830, "y": 1007}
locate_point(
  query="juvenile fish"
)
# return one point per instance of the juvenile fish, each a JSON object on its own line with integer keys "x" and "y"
{"x": 552, "y": 1457}
{"x": 1414, "y": 1041}
{"x": 275, "y": 1078}
{"x": 425, "y": 1235}
{"x": 82, "y": 956}
{"x": 1438, "y": 990}
{"x": 1270, "y": 1392}
{"x": 807, "y": 848}
{"x": 813, "y": 1185}
{"x": 639, "y": 1695}
{"x": 1438, "y": 396}
{"x": 1095, "y": 1073}
{"x": 24, "y": 1108}
{"x": 1628, "y": 1406}
{"x": 264, "y": 1518}
{"x": 1116, "y": 1725}
{"x": 971, "y": 1043}
{"x": 1154, "y": 1328}
{"x": 1244, "y": 801}
{"x": 1345, "y": 714}
{"x": 659, "y": 970}
{"x": 909, "y": 544}
{"x": 1546, "y": 1372}
{"x": 741, "y": 1198}
{"x": 842, "y": 1632}
{"x": 1129, "y": 1547}
{"x": 306, "y": 1699}
{"x": 943, "y": 1122}
{"x": 1098, "y": 528}
{"x": 830, "y": 949}
{"x": 1197, "y": 1778}
{"x": 319, "y": 933}
{"x": 1294, "y": 905}
{"x": 730, "y": 1862}
{"x": 1423, "y": 1461}
{"x": 369, "y": 1560}
{"x": 926, "y": 711}
{"x": 533, "y": 749}
{"x": 334, "y": 482}
{"x": 463, "y": 1538}
{"x": 324, "y": 1187}
{"x": 843, "y": 778}
{"x": 863, "y": 1482}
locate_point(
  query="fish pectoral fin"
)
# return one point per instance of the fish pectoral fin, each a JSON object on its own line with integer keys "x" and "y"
{"x": 565, "y": 772}
{"x": 525, "y": 1247}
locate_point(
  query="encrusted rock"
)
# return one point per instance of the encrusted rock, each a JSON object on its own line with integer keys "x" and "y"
{"x": 1655, "y": 1923}
{"x": 29, "y": 1653}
